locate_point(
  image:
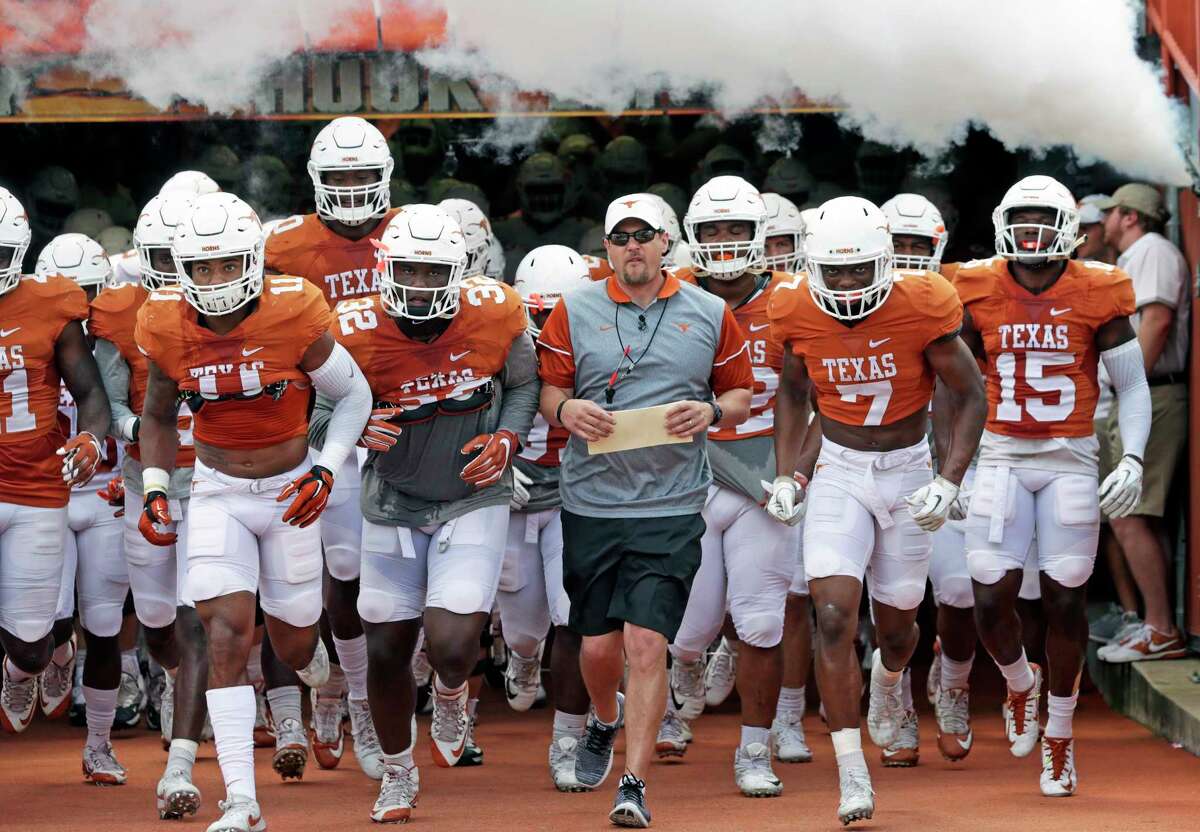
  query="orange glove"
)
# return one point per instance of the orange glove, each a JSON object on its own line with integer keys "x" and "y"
{"x": 487, "y": 468}
{"x": 114, "y": 494}
{"x": 380, "y": 434}
{"x": 312, "y": 493}
{"x": 81, "y": 455}
{"x": 156, "y": 512}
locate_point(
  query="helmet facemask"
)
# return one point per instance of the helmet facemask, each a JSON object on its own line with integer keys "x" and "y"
{"x": 10, "y": 275}
{"x": 730, "y": 259}
{"x": 1052, "y": 242}
{"x": 228, "y": 297}
{"x": 443, "y": 301}
{"x": 851, "y": 304}
{"x": 352, "y": 204}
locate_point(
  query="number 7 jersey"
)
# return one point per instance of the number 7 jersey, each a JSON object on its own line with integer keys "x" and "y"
{"x": 1041, "y": 349}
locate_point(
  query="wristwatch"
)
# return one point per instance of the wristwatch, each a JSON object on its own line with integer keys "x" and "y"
{"x": 718, "y": 414}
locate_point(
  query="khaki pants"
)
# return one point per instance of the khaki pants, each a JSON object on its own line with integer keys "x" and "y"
{"x": 1168, "y": 433}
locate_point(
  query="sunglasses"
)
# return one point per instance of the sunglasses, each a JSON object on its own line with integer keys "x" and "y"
{"x": 642, "y": 235}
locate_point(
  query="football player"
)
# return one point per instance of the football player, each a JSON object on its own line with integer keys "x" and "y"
{"x": 42, "y": 345}
{"x": 748, "y": 557}
{"x": 531, "y": 596}
{"x": 1044, "y": 322}
{"x": 871, "y": 342}
{"x": 246, "y": 351}
{"x": 455, "y": 384}
{"x": 350, "y": 165}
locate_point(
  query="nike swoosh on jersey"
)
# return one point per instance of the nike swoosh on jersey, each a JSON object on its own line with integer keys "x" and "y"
{"x": 246, "y": 353}
{"x": 1054, "y": 313}
{"x": 454, "y": 356}
{"x": 4, "y": 333}
{"x": 757, "y": 327}
{"x": 873, "y": 344}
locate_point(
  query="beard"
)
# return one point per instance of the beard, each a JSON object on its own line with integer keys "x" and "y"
{"x": 637, "y": 273}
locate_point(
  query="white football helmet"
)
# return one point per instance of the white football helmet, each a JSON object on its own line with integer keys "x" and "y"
{"x": 422, "y": 234}
{"x": 219, "y": 226}
{"x": 546, "y": 275}
{"x": 78, "y": 257}
{"x": 848, "y": 230}
{"x": 726, "y": 198}
{"x": 155, "y": 228}
{"x": 1054, "y": 242}
{"x": 89, "y": 221}
{"x": 476, "y": 229}
{"x": 14, "y": 238}
{"x": 783, "y": 218}
{"x": 915, "y": 215}
{"x": 351, "y": 143}
{"x": 670, "y": 225}
{"x": 191, "y": 182}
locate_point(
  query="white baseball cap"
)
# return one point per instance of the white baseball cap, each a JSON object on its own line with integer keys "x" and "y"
{"x": 1090, "y": 212}
{"x": 643, "y": 207}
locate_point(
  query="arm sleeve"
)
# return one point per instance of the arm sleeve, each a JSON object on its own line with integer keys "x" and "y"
{"x": 114, "y": 373}
{"x": 1127, "y": 370}
{"x": 522, "y": 387}
{"x": 555, "y": 351}
{"x": 731, "y": 360}
{"x": 341, "y": 382}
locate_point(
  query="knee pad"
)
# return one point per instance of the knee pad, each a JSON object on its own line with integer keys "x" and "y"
{"x": 1070, "y": 570}
{"x": 343, "y": 562}
{"x": 102, "y": 619}
{"x": 302, "y": 609}
{"x": 460, "y": 597}
{"x": 956, "y": 592}
{"x": 763, "y": 631}
{"x": 155, "y": 613}
{"x": 986, "y": 567}
{"x": 374, "y": 606}
{"x": 207, "y": 580}
{"x": 903, "y": 595}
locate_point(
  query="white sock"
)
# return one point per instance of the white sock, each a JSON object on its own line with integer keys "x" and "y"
{"x": 254, "y": 671}
{"x": 880, "y": 675}
{"x": 751, "y": 734}
{"x": 352, "y": 655}
{"x": 906, "y": 689}
{"x": 687, "y": 656}
{"x": 285, "y": 703}
{"x": 336, "y": 685}
{"x": 402, "y": 760}
{"x": 791, "y": 700}
{"x": 1019, "y": 674}
{"x": 1060, "y": 714}
{"x": 129, "y": 662}
{"x": 232, "y": 713}
{"x": 572, "y": 724}
{"x": 182, "y": 755}
{"x": 101, "y": 709}
{"x": 16, "y": 674}
{"x": 61, "y": 653}
{"x": 956, "y": 675}
{"x": 847, "y": 745}
{"x": 445, "y": 692}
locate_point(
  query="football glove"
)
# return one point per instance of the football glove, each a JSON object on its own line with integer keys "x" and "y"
{"x": 81, "y": 455}
{"x": 1121, "y": 490}
{"x": 380, "y": 434}
{"x": 156, "y": 512}
{"x": 114, "y": 495}
{"x": 311, "y": 490}
{"x": 930, "y": 505}
{"x": 786, "y": 503}
{"x": 487, "y": 468}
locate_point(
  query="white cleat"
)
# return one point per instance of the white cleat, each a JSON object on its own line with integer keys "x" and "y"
{"x": 1058, "y": 767}
{"x": 176, "y": 795}
{"x": 100, "y": 766}
{"x": 953, "y": 713}
{"x": 291, "y": 749}
{"x": 885, "y": 713}
{"x": 858, "y": 798}
{"x": 449, "y": 727}
{"x": 55, "y": 688}
{"x": 367, "y": 750}
{"x": 328, "y": 739}
{"x": 687, "y": 687}
{"x": 787, "y": 731}
{"x": 166, "y": 709}
{"x": 753, "y": 773}
{"x": 673, "y": 735}
{"x": 1021, "y": 716}
{"x": 316, "y": 672}
{"x": 721, "y": 673}
{"x": 905, "y": 752}
{"x": 397, "y": 795}
{"x": 240, "y": 814}
{"x": 562, "y": 763}
{"x": 522, "y": 678}
{"x": 18, "y": 700}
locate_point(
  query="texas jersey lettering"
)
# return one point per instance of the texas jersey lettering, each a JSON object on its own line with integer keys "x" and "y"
{"x": 874, "y": 372}
{"x": 340, "y": 268}
{"x": 1041, "y": 349}
{"x": 257, "y": 361}
{"x": 32, "y": 316}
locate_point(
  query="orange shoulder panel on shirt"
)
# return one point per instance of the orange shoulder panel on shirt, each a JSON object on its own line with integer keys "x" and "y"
{"x": 598, "y": 267}
{"x": 32, "y": 317}
{"x": 341, "y": 268}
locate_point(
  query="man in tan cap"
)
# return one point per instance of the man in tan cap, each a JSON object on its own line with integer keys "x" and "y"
{"x": 1133, "y": 218}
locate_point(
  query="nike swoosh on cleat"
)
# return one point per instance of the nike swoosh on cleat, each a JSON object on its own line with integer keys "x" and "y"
{"x": 966, "y": 744}
{"x": 675, "y": 701}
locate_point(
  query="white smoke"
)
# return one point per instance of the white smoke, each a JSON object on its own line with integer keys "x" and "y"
{"x": 1034, "y": 74}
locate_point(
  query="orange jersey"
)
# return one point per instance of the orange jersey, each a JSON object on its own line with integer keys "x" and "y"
{"x": 32, "y": 316}
{"x": 875, "y": 372}
{"x": 248, "y": 383}
{"x": 340, "y": 268}
{"x": 544, "y": 444}
{"x": 1041, "y": 349}
{"x": 465, "y": 357}
{"x": 766, "y": 358}
{"x": 114, "y": 315}
{"x": 598, "y": 267}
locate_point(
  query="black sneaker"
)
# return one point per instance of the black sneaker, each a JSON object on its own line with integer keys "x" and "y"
{"x": 629, "y": 809}
{"x": 594, "y": 758}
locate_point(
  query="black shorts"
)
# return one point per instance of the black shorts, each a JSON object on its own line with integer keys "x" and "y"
{"x": 629, "y": 569}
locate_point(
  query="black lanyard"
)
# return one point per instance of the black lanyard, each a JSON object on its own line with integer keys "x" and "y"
{"x": 618, "y": 374}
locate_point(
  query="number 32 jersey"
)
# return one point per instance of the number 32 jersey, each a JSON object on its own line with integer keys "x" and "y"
{"x": 1041, "y": 349}
{"x": 874, "y": 372}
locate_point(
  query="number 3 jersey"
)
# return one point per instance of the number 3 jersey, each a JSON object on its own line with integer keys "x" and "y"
{"x": 245, "y": 388}
{"x": 450, "y": 390}
{"x": 875, "y": 371}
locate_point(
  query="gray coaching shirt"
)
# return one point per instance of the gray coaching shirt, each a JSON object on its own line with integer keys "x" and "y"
{"x": 685, "y": 345}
